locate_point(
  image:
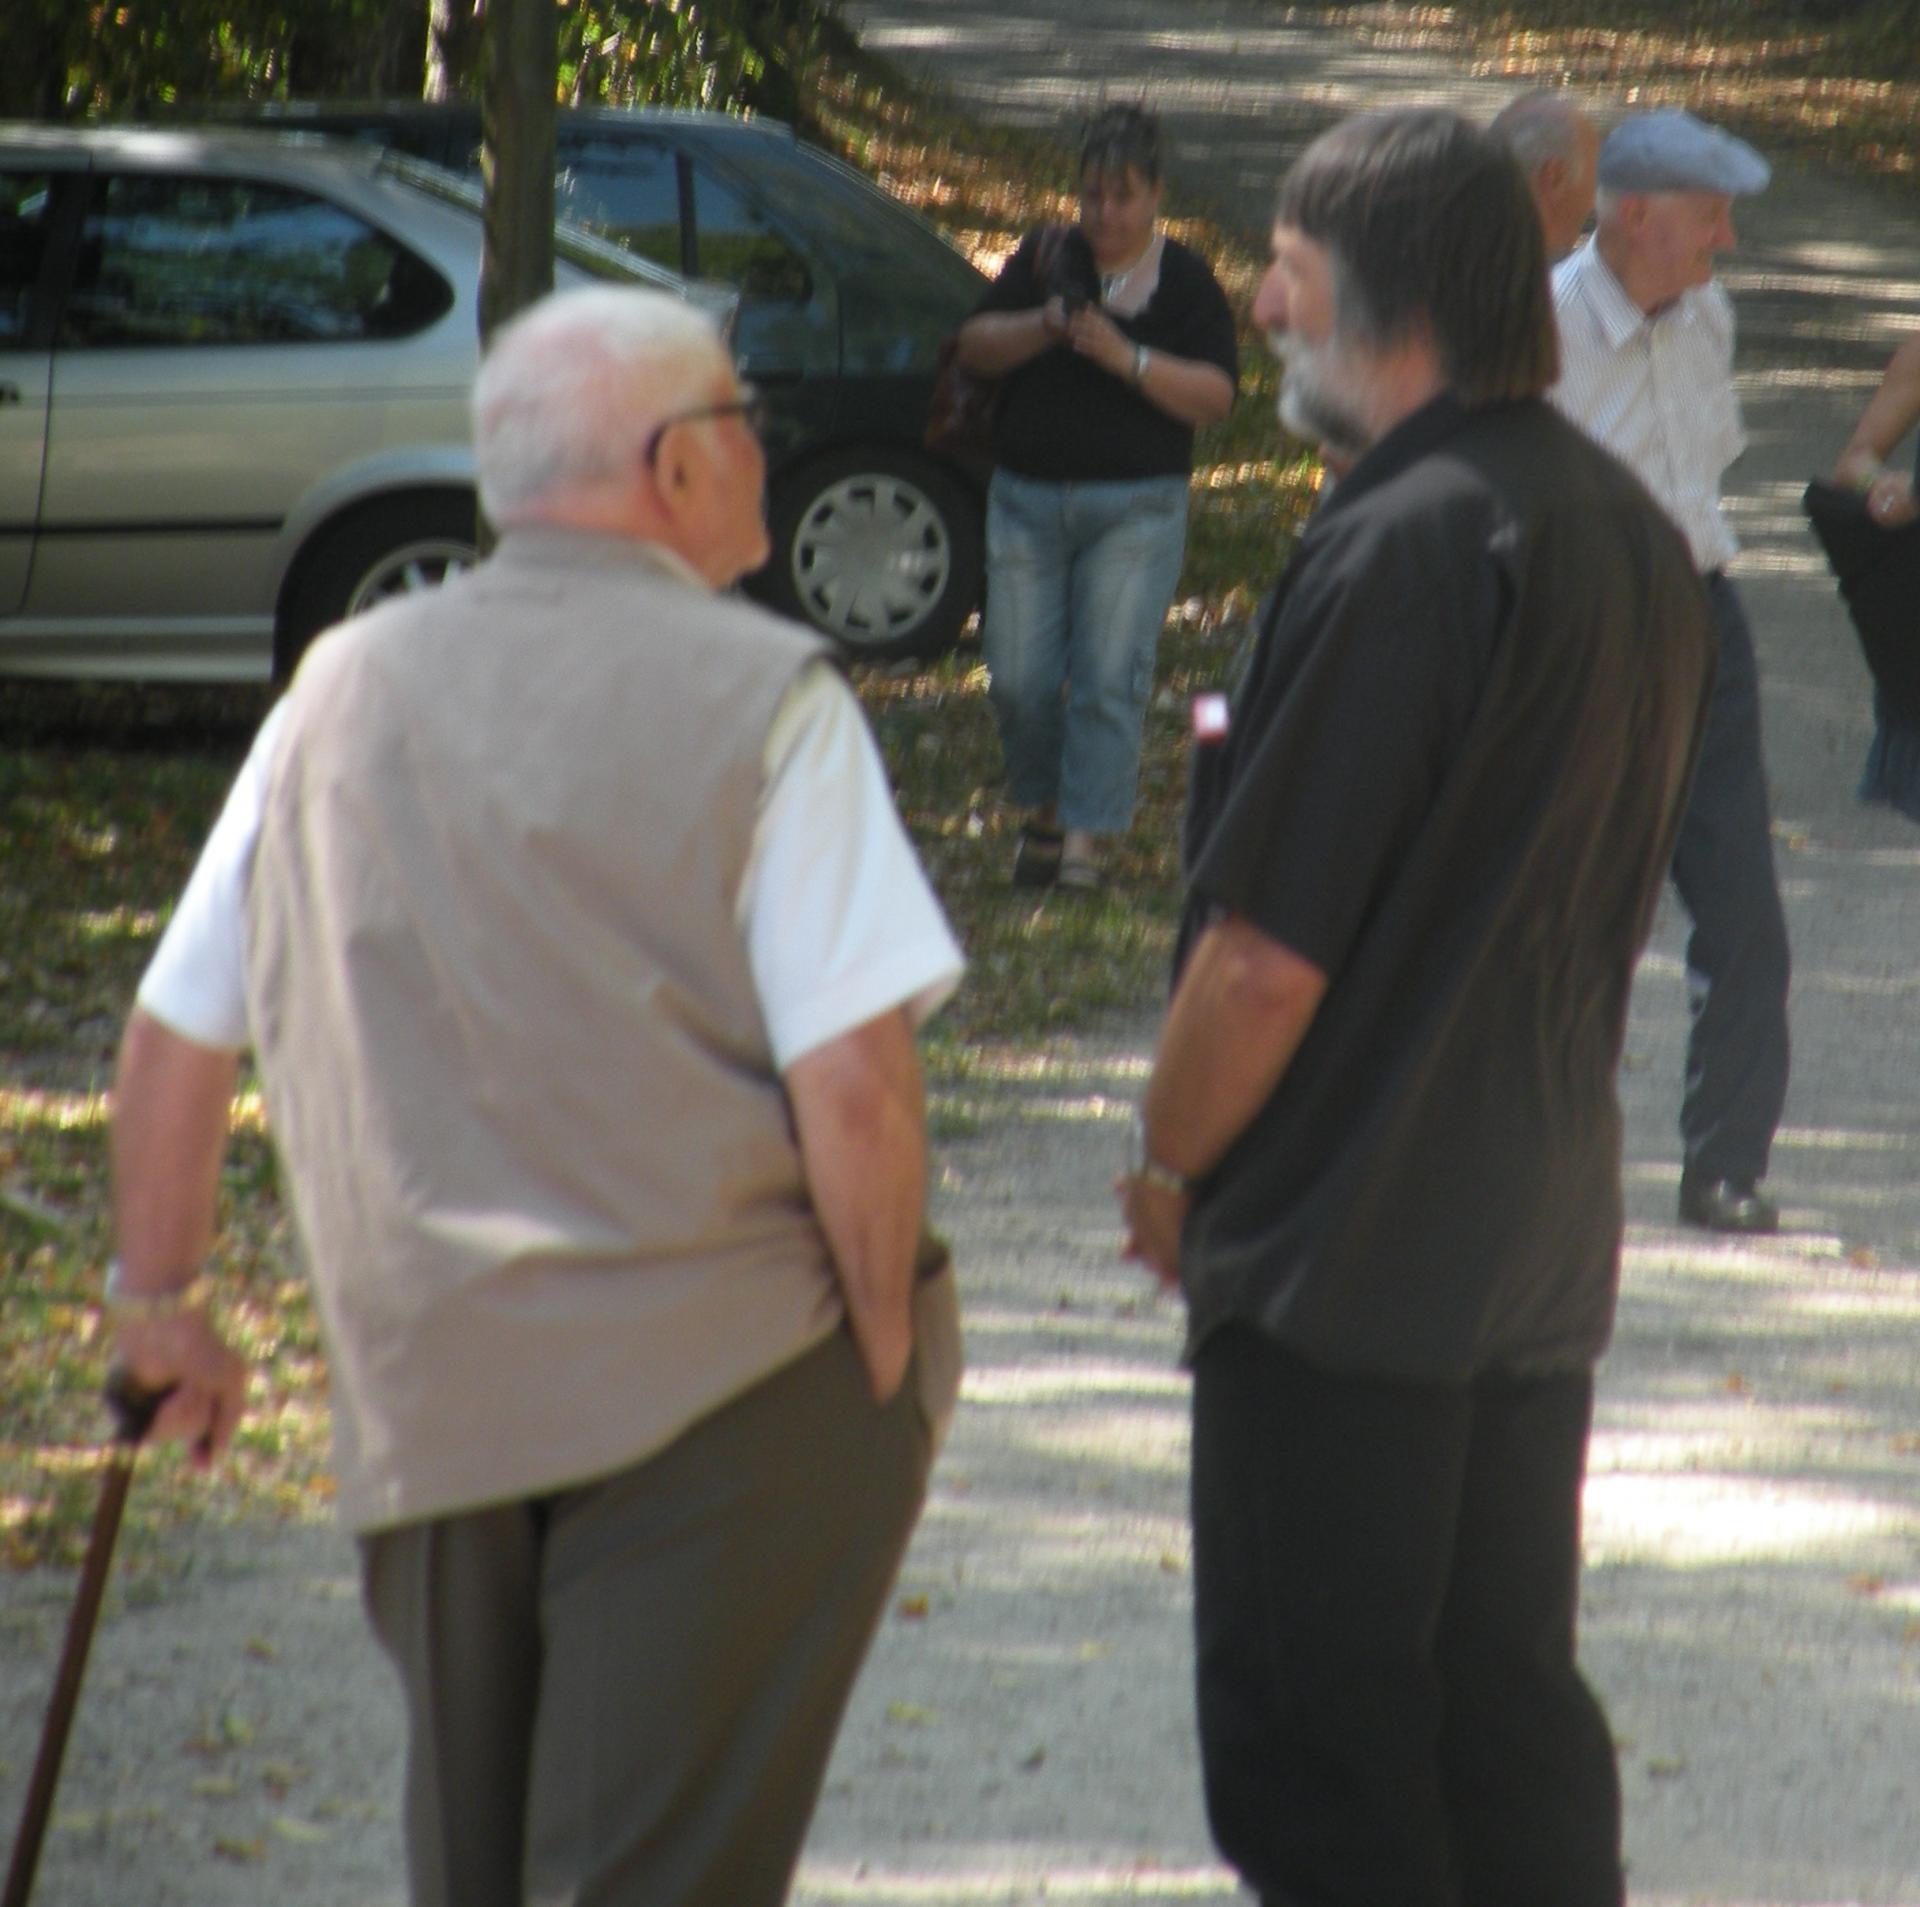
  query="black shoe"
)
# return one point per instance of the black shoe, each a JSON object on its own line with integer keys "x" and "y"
{"x": 1727, "y": 1205}
{"x": 1036, "y": 861}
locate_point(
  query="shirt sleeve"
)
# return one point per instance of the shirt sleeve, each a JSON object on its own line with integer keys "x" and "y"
{"x": 196, "y": 982}
{"x": 840, "y": 923}
{"x": 1205, "y": 331}
{"x": 1343, "y": 735}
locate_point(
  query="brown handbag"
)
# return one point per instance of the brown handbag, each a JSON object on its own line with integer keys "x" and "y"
{"x": 960, "y": 413}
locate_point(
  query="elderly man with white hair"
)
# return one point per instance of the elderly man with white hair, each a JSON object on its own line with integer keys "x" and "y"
{"x": 1646, "y": 355}
{"x": 568, "y": 917}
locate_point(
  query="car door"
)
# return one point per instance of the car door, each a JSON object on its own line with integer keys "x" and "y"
{"x": 225, "y": 339}
{"x": 26, "y": 215}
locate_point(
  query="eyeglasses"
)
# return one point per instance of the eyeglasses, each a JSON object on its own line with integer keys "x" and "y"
{"x": 750, "y": 407}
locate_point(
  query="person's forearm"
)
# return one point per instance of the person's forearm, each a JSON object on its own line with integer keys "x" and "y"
{"x": 170, "y": 1104}
{"x": 1186, "y": 388}
{"x": 1889, "y": 415}
{"x": 992, "y": 343}
{"x": 860, "y": 1112}
{"x": 1242, "y": 1007}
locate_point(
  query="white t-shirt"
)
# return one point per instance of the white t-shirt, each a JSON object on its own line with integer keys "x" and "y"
{"x": 840, "y": 923}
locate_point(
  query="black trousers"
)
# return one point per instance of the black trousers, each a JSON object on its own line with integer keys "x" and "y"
{"x": 1737, "y": 958}
{"x": 1385, "y": 1584}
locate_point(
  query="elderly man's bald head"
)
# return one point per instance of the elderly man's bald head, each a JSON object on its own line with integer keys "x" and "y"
{"x": 1558, "y": 147}
{"x": 574, "y": 386}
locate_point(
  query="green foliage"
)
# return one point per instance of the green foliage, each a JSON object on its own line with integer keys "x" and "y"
{"x": 128, "y": 58}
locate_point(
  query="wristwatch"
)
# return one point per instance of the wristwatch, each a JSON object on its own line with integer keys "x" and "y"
{"x": 1142, "y": 1165}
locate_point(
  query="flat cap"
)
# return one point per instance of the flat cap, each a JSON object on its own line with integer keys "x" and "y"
{"x": 1675, "y": 152}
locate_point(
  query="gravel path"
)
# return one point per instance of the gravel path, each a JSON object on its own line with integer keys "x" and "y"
{"x": 1024, "y": 1732}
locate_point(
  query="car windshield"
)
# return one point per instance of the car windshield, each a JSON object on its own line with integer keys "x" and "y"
{"x": 574, "y": 243}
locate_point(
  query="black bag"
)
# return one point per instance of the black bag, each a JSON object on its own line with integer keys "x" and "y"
{"x": 1879, "y": 576}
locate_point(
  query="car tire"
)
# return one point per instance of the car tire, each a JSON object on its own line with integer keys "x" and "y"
{"x": 881, "y": 550}
{"x": 380, "y": 549}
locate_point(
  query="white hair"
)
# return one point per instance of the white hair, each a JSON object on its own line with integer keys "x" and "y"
{"x": 573, "y": 386}
{"x": 1539, "y": 126}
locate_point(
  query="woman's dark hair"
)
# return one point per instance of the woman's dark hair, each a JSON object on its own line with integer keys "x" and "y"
{"x": 1431, "y": 228}
{"x": 1121, "y": 139}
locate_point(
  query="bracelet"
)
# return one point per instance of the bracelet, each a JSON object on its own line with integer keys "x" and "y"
{"x": 1142, "y": 1165}
{"x": 1864, "y": 480}
{"x": 150, "y": 1307}
{"x": 1140, "y": 360}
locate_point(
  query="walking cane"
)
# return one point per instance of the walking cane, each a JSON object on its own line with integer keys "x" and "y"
{"x": 133, "y": 1412}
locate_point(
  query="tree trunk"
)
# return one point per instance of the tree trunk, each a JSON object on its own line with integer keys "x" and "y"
{"x": 520, "y": 74}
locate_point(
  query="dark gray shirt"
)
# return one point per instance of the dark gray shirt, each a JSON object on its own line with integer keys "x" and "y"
{"x": 1452, "y": 781}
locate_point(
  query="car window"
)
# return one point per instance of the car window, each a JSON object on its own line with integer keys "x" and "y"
{"x": 23, "y": 238}
{"x": 174, "y": 260}
{"x": 627, "y": 190}
{"x": 737, "y": 244}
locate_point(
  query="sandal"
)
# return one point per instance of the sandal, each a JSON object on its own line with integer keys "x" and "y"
{"x": 1082, "y": 874}
{"x": 1036, "y": 861}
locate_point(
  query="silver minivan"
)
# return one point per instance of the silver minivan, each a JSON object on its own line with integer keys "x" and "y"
{"x": 234, "y": 371}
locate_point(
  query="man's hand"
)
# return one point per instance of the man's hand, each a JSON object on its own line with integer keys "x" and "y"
{"x": 205, "y": 1381}
{"x": 1153, "y": 1216}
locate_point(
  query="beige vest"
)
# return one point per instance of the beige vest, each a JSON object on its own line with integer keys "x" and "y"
{"x": 541, "y": 1165}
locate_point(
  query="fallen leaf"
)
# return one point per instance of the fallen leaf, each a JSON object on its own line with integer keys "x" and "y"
{"x": 1737, "y": 1386}
{"x": 1033, "y": 1758}
{"x": 230, "y": 1847}
{"x": 1866, "y": 1584}
{"x": 913, "y": 1608}
{"x": 261, "y": 1649}
{"x": 290, "y": 1829}
{"x": 1665, "y": 1767}
{"x": 1864, "y": 1257}
{"x": 909, "y": 1713}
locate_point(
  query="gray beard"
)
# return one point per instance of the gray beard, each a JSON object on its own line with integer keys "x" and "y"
{"x": 1310, "y": 410}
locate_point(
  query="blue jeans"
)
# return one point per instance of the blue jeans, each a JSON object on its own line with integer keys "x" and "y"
{"x": 1079, "y": 578}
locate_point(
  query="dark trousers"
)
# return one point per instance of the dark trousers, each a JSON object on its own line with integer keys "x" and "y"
{"x": 1385, "y": 1584}
{"x": 624, "y": 1694}
{"x": 1737, "y": 959}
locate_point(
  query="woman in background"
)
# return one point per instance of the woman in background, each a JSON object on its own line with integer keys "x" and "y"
{"x": 1111, "y": 347}
{"x": 1892, "y": 772}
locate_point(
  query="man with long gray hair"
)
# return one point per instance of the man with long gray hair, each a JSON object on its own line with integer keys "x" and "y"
{"x": 1380, "y": 1148}
{"x": 580, "y": 948}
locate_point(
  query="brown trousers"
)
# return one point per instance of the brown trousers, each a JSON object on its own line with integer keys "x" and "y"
{"x": 624, "y": 1694}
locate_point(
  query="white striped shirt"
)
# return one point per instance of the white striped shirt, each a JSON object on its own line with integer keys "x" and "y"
{"x": 1657, "y": 392}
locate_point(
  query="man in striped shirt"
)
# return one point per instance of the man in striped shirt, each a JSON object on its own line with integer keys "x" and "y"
{"x": 1646, "y": 351}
